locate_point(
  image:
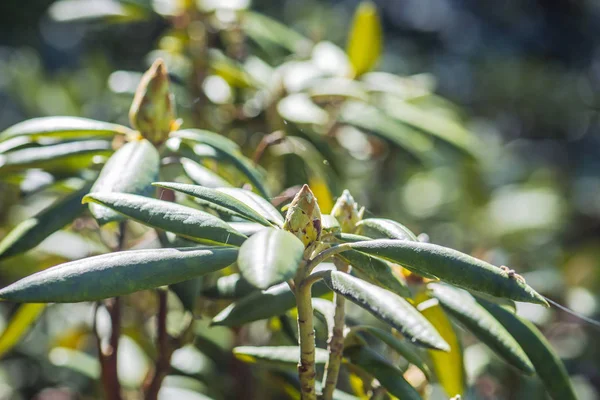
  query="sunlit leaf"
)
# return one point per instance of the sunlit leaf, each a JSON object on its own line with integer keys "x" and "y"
{"x": 381, "y": 228}
{"x": 116, "y": 274}
{"x": 92, "y": 10}
{"x": 257, "y": 203}
{"x": 186, "y": 222}
{"x": 276, "y": 354}
{"x": 300, "y": 109}
{"x": 229, "y": 287}
{"x": 261, "y": 27}
{"x": 18, "y": 325}
{"x": 202, "y": 175}
{"x": 365, "y": 41}
{"x": 130, "y": 170}
{"x": 75, "y": 360}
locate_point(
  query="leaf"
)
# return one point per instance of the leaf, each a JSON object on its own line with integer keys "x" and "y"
{"x": 57, "y": 157}
{"x": 448, "y": 367}
{"x": 325, "y": 309}
{"x": 247, "y": 228}
{"x": 217, "y": 200}
{"x": 274, "y": 301}
{"x": 389, "y": 376}
{"x": 261, "y": 27}
{"x": 276, "y": 354}
{"x": 32, "y": 231}
{"x": 269, "y": 257}
{"x": 202, "y": 175}
{"x": 187, "y": 291}
{"x": 451, "y": 266}
{"x": 229, "y": 287}
{"x": 257, "y": 203}
{"x": 376, "y": 270}
{"x": 229, "y": 150}
{"x": 75, "y": 360}
{"x": 399, "y": 346}
{"x": 365, "y": 41}
{"x": 92, "y": 10}
{"x": 300, "y": 109}
{"x": 18, "y": 325}
{"x": 62, "y": 128}
{"x": 187, "y": 222}
{"x": 117, "y": 274}
{"x": 381, "y": 228}
{"x": 463, "y": 307}
{"x": 130, "y": 170}
{"x": 547, "y": 364}
{"x": 372, "y": 119}
{"x": 388, "y": 307}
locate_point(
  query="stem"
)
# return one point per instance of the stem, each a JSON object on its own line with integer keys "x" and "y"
{"x": 325, "y": 254}
{"x": 108, "y": 354}
{"x": 335, "y": 345}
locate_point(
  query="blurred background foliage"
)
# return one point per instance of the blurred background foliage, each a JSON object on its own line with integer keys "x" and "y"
{"x": 520, "y": 76}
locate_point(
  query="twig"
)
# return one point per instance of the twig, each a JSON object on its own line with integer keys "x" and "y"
{"x": 108, "y": 355}
{"x": 306, "y": 338}
{"x": 325, "y": 254}
{"x": 268, "y": 140}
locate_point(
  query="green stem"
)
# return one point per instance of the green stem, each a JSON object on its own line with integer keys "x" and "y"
{"x": 325, "y": 254}
{"x": 335, "y": 345}
{"x": 306, "y": 336}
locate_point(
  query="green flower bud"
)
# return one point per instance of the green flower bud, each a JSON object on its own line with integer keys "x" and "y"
{"x": 346, "y": 212}
{"x": 303, "y": 217}
{"x": 152, "y": 112}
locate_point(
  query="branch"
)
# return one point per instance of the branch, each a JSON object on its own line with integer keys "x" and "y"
{"x": 325, "y": 254}
{"x": 108, "y": 355}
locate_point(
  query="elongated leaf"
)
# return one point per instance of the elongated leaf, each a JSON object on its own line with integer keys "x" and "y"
{"x": 257, "y": 203}
{"x": 217, "y": 200}
{"x": 230, "y": 152}
{"x": 187, "y": 292}
{"x": 365, "y": 40}
{"x": 270, "y": 257}
{"x": 261, "y": 305}
{"x": 116, "y": 274}
{"x": 376, "y": 270}
{"x": 325, "y": 310}
{"x": 381, "y": 228}
{"x": 547, "y": 364}
{"x": 229, "y": 287}
{"x": 32, "y": 231}
{"x": 448, "y": 366}
{"x": 388, "y": 307}
{"x": 62, "y": 128}
{"x": 18, "y": 325}
{"x": 202, "y": 175}
{"x": 184, "y": 221}
{"x": 247, "y": 228}
{"x": 93, "y": 10}
{"x": 453, "y": 267}
{"x": 260, "y": 27}
{"x": 276, "y": 354}
{"x": 57, "y": 157}
{"x": 399, "y": 346}
{"x": 130, "y": 170}
{"x": 462, "y": 306}
{"x": 388, "y": 375}
{"x": 14, "y": 143}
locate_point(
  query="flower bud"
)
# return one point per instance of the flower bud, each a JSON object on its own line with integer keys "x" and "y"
{"x": 346, "y": 212}
{"x": 152, "y": 112}
{"x": 303, "y": 217}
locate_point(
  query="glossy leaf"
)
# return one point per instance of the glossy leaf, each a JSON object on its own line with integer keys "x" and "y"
{"x": 18, "y": 325}
{"x": 247, "y": 228}
{"x": 117, "y": 274}
{"x": 186, "y": 222}
{"x": 389, "y": 376}
{"x": 274, "y": 301}
{"x": 388, "y": 307}
{"x": 269, "y": 257}
{"x": 62, "y": 128}
{"x": 260, "y": 27}
{"x": 202, "y": 175}
{"x": 257, "y": 203}
{"x": 32, "y": 231}
{"x": 547, "y": 364}
{"x": 217, "y": 200}
{"x": 276, "y": 354}
{"x": 93, "y": 10}
{"x": 381, "y": 228}
{"x": 463, "y": 307}
{"x": 130, "y": 170}
{"x": 451, "y": 266}
{"x": 365, "y": 41}
{"x": 229, "y": 287}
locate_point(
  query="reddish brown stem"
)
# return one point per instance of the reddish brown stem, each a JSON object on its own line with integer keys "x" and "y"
{"x": 108, "y": 354}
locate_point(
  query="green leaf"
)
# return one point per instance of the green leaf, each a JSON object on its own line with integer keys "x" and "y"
{"x": 388, "y": 307}
{"x": 217, "y": 200}
{"x": 93, "y": 10}
{"x": 547, "y": 364}
{"x": 376, "y": 271}
{"x": 202, "y": 175}
{"x": 274, "y": 301}
{"x": 117, "y": 274}
{"x": 229, "y": 287}
{"x": 247, "y": 228}
{"x": 229, "y": 150}
{"x": 187, "y": 292}
{"x": 186, "y": 222}
{"x": 269, "y": 257}
{"x": 451, "y": 266}
{"x": 57, "y": 157}
{"x": 399, "y": 346}
{"x": 381, "y": 228}
{"x": 130, "y": 170}
{"x": 62, "y": 128}
{"x": 257, "y": 203}
{"x": 260, "y": 27}
{"x": 365, "y": 39}
{"x": 389, "y": 376}
{"x": 276, "y": 354}
{"x": 32, "y": 231}
{"x": 18, "y": 325}
{"x": 463, "y": 307}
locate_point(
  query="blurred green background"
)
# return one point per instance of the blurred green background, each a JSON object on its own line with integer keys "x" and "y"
{"x": 523, "y": 76}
